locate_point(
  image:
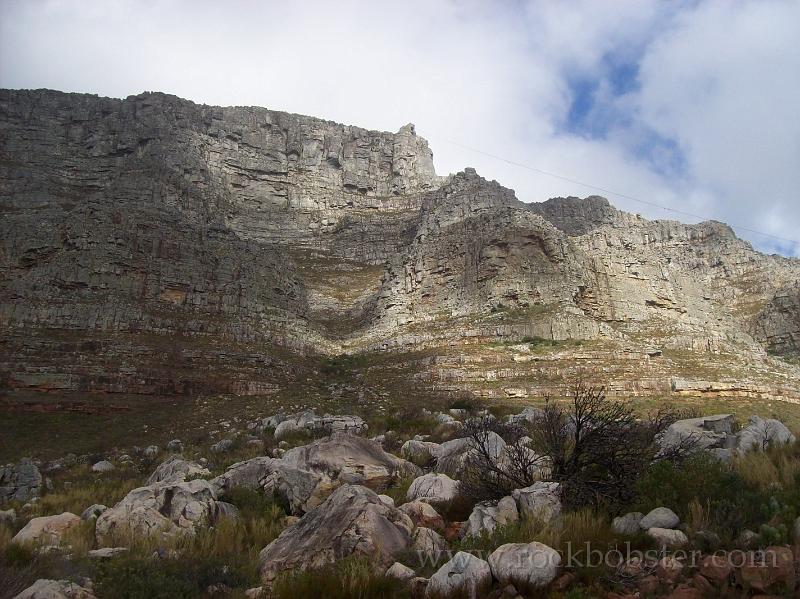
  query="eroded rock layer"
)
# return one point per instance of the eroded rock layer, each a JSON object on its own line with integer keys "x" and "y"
{"x": 153, "y": 245}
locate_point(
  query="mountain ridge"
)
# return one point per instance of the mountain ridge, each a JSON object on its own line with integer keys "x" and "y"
{"x": 155, "y": 219}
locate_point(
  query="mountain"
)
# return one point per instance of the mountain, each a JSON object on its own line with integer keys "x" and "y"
{"x": 155, "y": 246}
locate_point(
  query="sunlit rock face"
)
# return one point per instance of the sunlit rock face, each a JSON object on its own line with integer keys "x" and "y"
{"x": 180, "y": 248}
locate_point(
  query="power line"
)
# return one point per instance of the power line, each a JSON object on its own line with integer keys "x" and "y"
{"x": 614, "y": 193}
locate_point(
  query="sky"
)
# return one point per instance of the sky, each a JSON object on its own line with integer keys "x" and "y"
{"x": 689, "y": 105}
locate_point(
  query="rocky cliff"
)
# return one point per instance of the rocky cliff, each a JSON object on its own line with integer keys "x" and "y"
{"x": 153, "y": 245}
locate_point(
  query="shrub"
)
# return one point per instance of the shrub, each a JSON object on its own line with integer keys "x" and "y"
{"x": 349, "y": 578}
{"x": 598, "y": 448}
{"x": 729, "y": 503}
{"x": 147, "y": 578}
{"x": 489, "y": 474}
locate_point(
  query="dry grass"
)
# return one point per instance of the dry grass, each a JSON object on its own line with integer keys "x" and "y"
{"x": 777, "y": 466}
{"x": 86, "y": 488}
{"x": 349, "y": 578}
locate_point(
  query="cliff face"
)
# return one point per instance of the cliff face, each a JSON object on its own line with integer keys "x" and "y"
{"x": 152, "y": 245}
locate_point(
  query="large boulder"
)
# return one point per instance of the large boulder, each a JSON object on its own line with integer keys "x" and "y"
{"x": 175, "y": 469}
{"x": 20, "y": 482}
{"x": 309, "y": 422}
{"x": 299, "y": 489}
{"x": 46, "y": 530}
{"x": 541, "y": 501}
{"x": 527, "y": 566}
{"x": 421, "y": 453}
{"x": 353, "y": 520}
{"x": 463, "y": 576}
{"x": 348, "y": 459}
{"x": 451, "y": 457}
{"x": 433, "y": 488}
{"x": 660, "y": 517}
{"x": 760, "y": 433}
{"x": 55, "y": 589}
{"x": 694, "y": 434}
{"x": 163, "y": 509}
{"x": 455, "y": 456}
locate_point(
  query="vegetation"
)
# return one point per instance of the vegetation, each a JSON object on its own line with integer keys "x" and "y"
{"x": 352, "y": 578}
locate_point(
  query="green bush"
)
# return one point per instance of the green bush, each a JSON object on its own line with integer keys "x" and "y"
{"x": 139, "y": 577}
{"x": 731, "y": 503}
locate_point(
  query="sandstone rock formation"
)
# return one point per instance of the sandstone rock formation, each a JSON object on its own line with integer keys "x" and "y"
{"x": 215, "y": 249}
{"x": 351, "y": 521}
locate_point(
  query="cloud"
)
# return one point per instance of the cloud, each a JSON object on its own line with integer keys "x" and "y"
{"x": 685, "y": 104}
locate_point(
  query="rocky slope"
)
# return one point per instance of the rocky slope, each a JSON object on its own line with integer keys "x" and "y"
{"x": 153, "y": 245}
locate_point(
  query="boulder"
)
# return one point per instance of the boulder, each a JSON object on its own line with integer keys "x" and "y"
{"x": 527, "y": 566}
{"x": 697, "y": 433}
{"x": 387, "y": 500}
{"x": 223, "y": 446}
{"x": 175, "y": 446}
{"x": 8, "y": 517}
{"x": 163, "y": 509}
{"x": 175, "y": 469}
{"x": 422, "y": 514}
{"x": 428, "y": 542}
{"x": 329, "y": 425}
{"x": 351, "y": 521}
{"x": 451, "y": 456}
{"x": 421, "y": 453}
{"x": 46, "y": 530}
{"x": 151, "y": 451}
{"x": 298, "y": 489}
{"x": 529, "y": 414}
{"x": 661, "y": 517}
{"x": 400, "y": 572}
{"x": 463, "y": 576}
{"x": 760, "y": 433}
{"x": 444, "y": 418}
{"x": 93, "y": 511}
{"x": 107, "y": 552}
{"x": 348, "y": 459}
{"x": 487, "y": 516}
{"x": 417, "y": 586}
{"x": 286, "y": 428}
{"x": 667, "y": 537}
{"x": 55, "y": 589}
{"x": 103, "y": 466}
{"x": 627, "y": 525}
{"x": 433, "y": 488}
{"x": 20, "y": 482}
{"x": 541, "y": 500}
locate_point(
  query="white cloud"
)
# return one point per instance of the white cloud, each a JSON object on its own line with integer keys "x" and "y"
{"x": 718, "y": 78}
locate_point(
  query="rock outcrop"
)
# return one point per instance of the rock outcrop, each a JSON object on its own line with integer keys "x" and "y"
{"x": 20, "y": 482}
{"x": 215, "y": 249}
{"x": 353, "y": 520}
{"x": 162, "y": 509}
